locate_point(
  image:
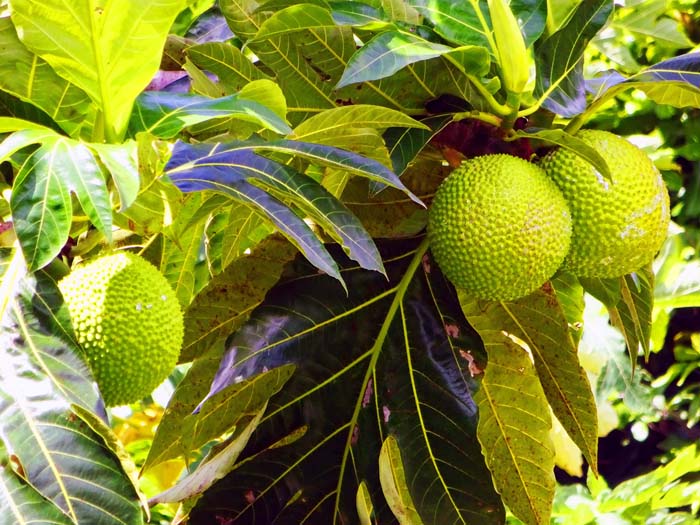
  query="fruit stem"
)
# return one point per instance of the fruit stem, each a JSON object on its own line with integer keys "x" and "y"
{"x": 574, "y": 125}
{"x": 489, "y": 118}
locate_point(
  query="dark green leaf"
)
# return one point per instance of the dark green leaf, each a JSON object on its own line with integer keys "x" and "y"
{"x": 532, "y": 18}
{"x": 559, "y": 58}
{"x": 404, "y": 369}
{"x": 21, "y": 503}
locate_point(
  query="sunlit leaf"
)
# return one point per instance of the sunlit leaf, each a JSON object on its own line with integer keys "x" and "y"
{"x": 41, "y": 205}
{"x": 465, "y": 23}
{"x": 165, "y": 114}
{"x": 514, "y": 421}
{"x": 98, "y": 48}
{"x": 31, "y": 79}
{"x": 386, "y": 53}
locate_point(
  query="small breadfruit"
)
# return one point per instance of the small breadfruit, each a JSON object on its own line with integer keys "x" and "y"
{"x": 620, "y": 223}
{"x": 499, "y": 227}
{"x": 128, "y": 321}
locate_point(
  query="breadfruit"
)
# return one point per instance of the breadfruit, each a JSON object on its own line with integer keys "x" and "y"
{"x": 127, "y": 320}
{"x": 499, "y": 227}
{"x": 620, "y": 223}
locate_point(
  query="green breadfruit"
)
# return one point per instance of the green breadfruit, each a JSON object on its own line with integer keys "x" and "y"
{"x": 128, "y": 321}
{"x": 499, "y": 227}
{"x": 618, "y": 224}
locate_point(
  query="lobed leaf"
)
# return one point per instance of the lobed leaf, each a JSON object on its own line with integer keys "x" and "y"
{"x": 465, "y": 23}
{"x": 342, "y": 403}
{"x": 22, "y": 503}
{"x": 98, "y": 48}
{"x": 31, "y": 79}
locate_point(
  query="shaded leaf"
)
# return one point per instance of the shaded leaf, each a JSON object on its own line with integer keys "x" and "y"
{"x": 559, "y": 62}
{"x": 339, "y": 405}
{"x": 632, "y": 314}
{"x": 227, "y": 300}
{"x": 514, "y": 422}
{"x": 21, "y": 503}
{"x": 215, "y": 466}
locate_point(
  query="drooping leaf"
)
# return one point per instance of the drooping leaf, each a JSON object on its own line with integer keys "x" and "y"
{"x": 121, "y": 160}
{"x": 539, "y": 321}
{"x": 632, "y": 314}
{"x": 231, "y": 167}
{"x": 402, "y": 369}
{"x": 514, "y": 422}
{"x": 558, "y": 58}
{"x": 31, "y": 79}
{"x": 675, "y": 81}
{"x": 393, "y": 480}
{"x": 165, "y": 114}
{"x": 566, "y": 140}
{"x": 41, "y": 378}
{"x": 216, "y": 465}
{"x": 98, "y": 48}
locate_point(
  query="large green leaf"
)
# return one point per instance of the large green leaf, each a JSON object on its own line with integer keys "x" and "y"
{"x": 165, "y": 114}
{"x": 390, "y": 358}
{"x": 30, "y": 78}
{"x": 41, "y": 378}
{"x": 514, "y": 421}
{"x": 111, "y": 50}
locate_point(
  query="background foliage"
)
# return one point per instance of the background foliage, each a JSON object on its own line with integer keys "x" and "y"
{"x": 274, "y": 159}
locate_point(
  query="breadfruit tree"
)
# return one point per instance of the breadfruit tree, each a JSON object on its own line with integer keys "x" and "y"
{"x": 336, "y": 253}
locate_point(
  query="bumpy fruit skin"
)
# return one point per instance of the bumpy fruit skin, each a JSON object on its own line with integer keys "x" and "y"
{"x": 499, "y": 227}
{"x": 618, "y": 224}
{"x": 128, "y": 321}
